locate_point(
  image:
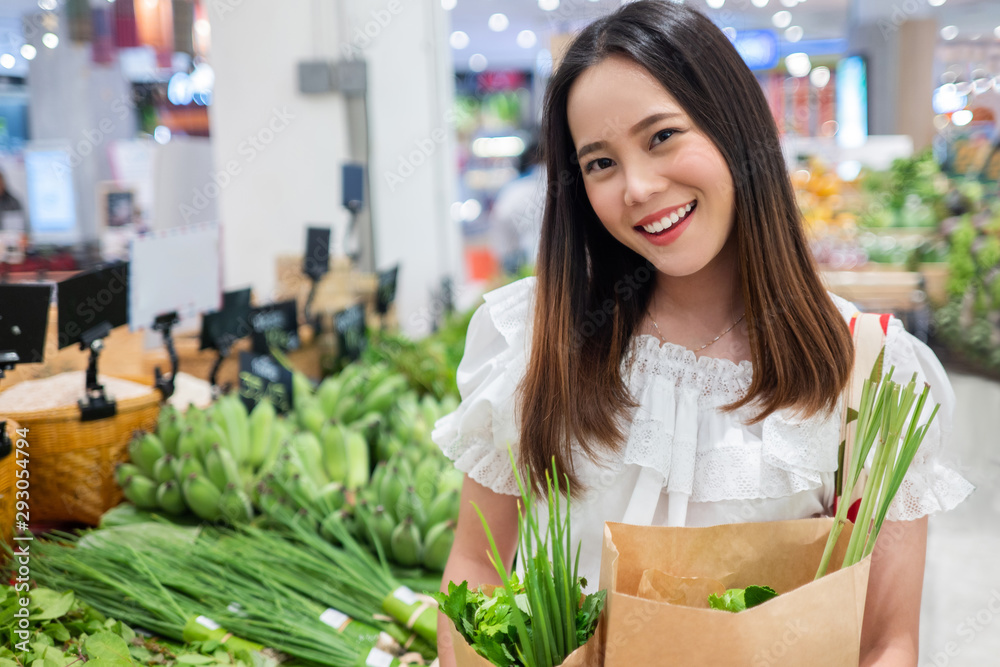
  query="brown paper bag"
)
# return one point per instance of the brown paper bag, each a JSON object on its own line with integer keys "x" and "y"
{"x": 588, "y": 655}
{"x": 659, "y": 586}
{"x": 815, "y": 623}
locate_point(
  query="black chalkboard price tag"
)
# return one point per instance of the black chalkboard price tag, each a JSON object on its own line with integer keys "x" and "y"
{"x": 351, "y": 334}
{"x": 275, "y": 325}
{"x": 385, "y": 292}
{"x": 263, "y": 377}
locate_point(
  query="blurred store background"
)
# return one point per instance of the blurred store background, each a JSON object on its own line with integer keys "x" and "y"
{"x": 403, "y": 134}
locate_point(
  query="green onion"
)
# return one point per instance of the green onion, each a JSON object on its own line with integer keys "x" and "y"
{"x": 887, "y": 420}
{"x": 552, "y": 586}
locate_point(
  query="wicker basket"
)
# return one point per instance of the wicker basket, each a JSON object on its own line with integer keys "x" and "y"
{"x": 73, "y": 463}
{"x": 7, "y": 501}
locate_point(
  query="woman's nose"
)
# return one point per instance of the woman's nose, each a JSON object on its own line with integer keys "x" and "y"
{"x": 641, "y": 183}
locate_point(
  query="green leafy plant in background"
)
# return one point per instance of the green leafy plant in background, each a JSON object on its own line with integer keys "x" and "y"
{"x": 969, "y": 323}
{"x": 63, "y": 631}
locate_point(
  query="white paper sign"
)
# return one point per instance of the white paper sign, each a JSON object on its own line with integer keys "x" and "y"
{"x": 176, "y": 269}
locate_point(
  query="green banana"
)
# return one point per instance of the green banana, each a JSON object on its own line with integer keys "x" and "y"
{"x": 382, "y": 526}
{"x": 437, "y": 545}
{"x": 170, "y": 497}
{"x": 163, "y": 471}
{"x": 334, "y": 442}
{"x": 391, "y": 490}
{"x": 280, "y": 434}
{"x": 425, "y": 477}
{"x": 411, "y": 506}
{"x": 189, "y": 443}
{"x": 186, "y": 465}
{"x": 444, "y": 507}
{"x": 381, "y": 397}
{"x": 430, "y": 410}
{"x": 194, "y": 417}
{"x": 235, "y": 505}
{"x": 310, "y": 451}
{"x": 261, "y": 432}
{"x": 302, "y": 387}
{"x": 141, "y": 492}
{"x": 125, "y": 470}
{"x": 169, "y": 429}
{"x": 311, "y": 417}
{"x": 233, "y": 418}
{"x": 145, "y": 450}
{"x": 358, "y": 461}
{"x": 329, "y": 394}
{"x": 404, "y": 544}
{"x": 214, "y": 469}
{"x": 202, "y": 497}
{"x": 213, "y": 434}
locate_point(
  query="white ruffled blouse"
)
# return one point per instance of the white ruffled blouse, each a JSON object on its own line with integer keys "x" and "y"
{"x": 685, "y": 463}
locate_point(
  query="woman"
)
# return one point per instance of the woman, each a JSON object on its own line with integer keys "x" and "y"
{"x": 677, "y": 352}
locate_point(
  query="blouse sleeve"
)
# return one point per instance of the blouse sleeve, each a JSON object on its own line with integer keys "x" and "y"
{"x": 478, "y": 434}
{"x": 930, "y": 485}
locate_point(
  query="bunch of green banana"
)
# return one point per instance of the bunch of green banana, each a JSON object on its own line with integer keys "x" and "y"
{"x": 411, "y": 423}
{"x": 318, "y": 473}
{"x": 409, "y": 509}
{"x": 359, "y": 393}
{"x": 204, "y": 462}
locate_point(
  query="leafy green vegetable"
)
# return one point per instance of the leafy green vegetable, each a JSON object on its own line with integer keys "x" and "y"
{"x": 539, "y": 621}
{"x": 740, "y": 599}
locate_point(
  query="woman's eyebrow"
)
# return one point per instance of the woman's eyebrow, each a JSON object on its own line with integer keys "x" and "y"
{"x": 638, "y": 127}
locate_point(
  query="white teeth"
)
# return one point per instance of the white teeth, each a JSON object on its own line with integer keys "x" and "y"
{"x": 667, "y": 221}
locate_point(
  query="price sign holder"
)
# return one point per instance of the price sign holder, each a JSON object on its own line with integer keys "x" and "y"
{"x": 275, "y": 325}
{"x": 164, "y": 323}
{"x": 221, "y": 329}
{"x": 90, "y": 305}
{"x": 385, "y": 292}
{"x": 315, "y": 264}
{"x": 264, "y": 377}
{"x": 349, "y": 325}
{"x": 24, "y": 317}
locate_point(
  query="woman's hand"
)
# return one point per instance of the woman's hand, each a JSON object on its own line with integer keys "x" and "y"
{"x": 469, "y": 560}
{"x": 890, "y": 636}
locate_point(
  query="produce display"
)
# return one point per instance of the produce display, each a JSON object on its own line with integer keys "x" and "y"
{"x": 63, "y": 630}
{"x": 969, "y": 323}
{"x": 203, "y": 461}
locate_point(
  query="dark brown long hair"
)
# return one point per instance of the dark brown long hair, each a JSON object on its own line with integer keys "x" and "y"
{"x": 592, "y": 291}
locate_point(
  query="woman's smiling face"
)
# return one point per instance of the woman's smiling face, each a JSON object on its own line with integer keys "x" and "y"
{"x": 657, "y": 182}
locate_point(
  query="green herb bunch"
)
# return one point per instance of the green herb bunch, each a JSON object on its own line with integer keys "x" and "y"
{"x": 537, "y": 620}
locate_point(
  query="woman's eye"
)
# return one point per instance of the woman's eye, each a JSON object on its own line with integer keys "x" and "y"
{"x": 662, "y": 135}
{"x": 602, "y": 162}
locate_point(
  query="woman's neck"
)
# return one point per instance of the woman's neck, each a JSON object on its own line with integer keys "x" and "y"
{"x": 692, "y": 310}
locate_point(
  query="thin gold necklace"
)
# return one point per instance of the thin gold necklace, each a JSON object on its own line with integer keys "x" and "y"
{"x": 699, "y": 349}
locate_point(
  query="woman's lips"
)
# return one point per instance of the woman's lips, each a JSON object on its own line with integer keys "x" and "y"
{"x": 670, "y": 234}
